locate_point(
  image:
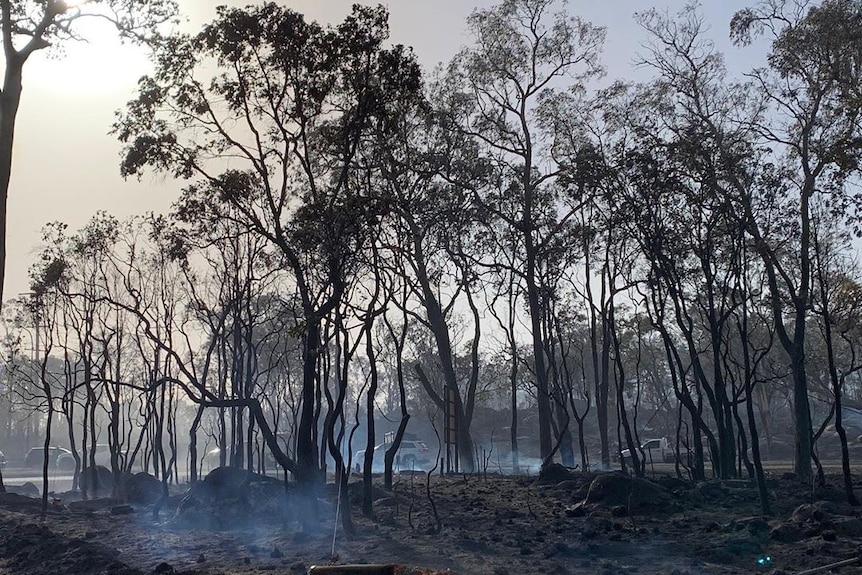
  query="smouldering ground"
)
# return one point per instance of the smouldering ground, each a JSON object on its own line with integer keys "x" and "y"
{"x": 494, "y": 525}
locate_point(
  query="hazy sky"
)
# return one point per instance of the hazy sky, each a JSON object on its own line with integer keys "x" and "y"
{"x": 66, "y": 165}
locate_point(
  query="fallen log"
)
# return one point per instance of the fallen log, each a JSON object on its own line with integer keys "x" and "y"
{"x": 351, "y": 570}
{"x": 831, "y": 566}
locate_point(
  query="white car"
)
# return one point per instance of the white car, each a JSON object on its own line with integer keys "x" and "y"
{"x": 411, "y": 455}
{"x": 103, "y": 457}
{"x": 212, "y": 459}
{"x": 655, "y": 450}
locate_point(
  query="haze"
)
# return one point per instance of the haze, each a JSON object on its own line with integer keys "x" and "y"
{"x": 66, "y": 163}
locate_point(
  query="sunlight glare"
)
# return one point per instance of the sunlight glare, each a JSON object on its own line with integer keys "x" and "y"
{"x": 97, "y": 64}
{"x": 74, "y": 3}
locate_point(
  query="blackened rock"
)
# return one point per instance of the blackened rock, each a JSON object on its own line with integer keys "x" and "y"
{"x": 233, "y": 498}
{"x": 16, "y": 502}
{"x": 226, "y": 481}
{"x": 140, "y": 488}
{"x": 97, "y": 481}
{"x": 27, "y": 489}
{"x": 786, "y": 533}
{"x": 553, "y": 474}
{"x": 576, "y": 510}
{"x": 636, "y": 494}
{"x": 711, "y": 490}
{"x": 809, "y": 513}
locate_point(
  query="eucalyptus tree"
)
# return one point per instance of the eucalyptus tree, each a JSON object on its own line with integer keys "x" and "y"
{"x": 587, "y": 133}
{"x": 72, "y": 267}
{"x": 269, "y": 141}
{"x": 31, "y": 26}
{"x": 349, "y": 328}
{"x": 569, "y": 352}
{"x": 812, "y": 90}
{"x": 42, "y": 307}
{"x": 835, "y": 282}
{"x": 507, "y": 285}
{"x": 685, "y": 243}
{"x": 397, "y": 337}
{"x": 761, "y": 151}
{"x": 230, "y": 284}
{"x": 754, "y": 344}
{"x": 231, "y": 272}
{"x": 432, "y": 217}
{"x": 699, "y": 158}
{"x": 494, "y": 91}
{"x": 120, "y": 366}
{"x": 151, "y": 283}
{"x": 102, "y": 356}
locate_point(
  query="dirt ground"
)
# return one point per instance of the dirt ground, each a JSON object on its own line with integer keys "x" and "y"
{"x": 565, "y": 523}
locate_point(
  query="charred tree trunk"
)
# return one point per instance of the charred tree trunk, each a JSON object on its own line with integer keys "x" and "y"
{"x": 440, "y": 331}
{"x": 399, "y": 341}
{"x": 335, "y": 416}
{"x": 836, "y": 381}
{"x": 621, "y": 405}
{"x": 367, "y": 494}
{"x": 193, "y": 445}
{"x": 543, "y": 398}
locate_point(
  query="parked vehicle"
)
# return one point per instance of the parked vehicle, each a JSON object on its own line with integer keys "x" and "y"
{"x": 36, "y": 456}
{"x": 411, "y": 454}
{"x": 103, "y": 457}
{"x": 655, "y": 450}
{"x": 212, "y": 459}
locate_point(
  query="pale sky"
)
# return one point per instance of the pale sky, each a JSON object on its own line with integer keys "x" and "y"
{"x": 66, "y": 165}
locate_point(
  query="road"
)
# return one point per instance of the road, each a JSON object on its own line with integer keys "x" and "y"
{"x": 58, "y": 480}
{"x": 61, "y": 480}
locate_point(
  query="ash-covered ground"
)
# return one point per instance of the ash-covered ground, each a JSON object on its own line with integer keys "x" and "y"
{"x": 567, "y": 522}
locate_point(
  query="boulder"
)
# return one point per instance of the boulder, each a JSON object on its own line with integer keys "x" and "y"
{"x": 553, "y": 474}
{"x": 233, "y": 498}
{"x": 810, "y": 513}
{"x": 710, "y": 490}
{"x": 612, "y": 489}
{"x": 786, "y": 532}
{"x": 27, "y": 489}
{"x": 141, "y": 488}
{"x": 15, "y": 502}
{"x": 97, "y": 481}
